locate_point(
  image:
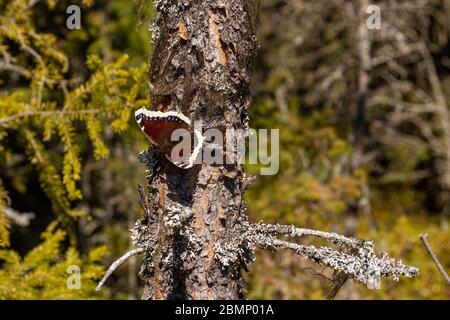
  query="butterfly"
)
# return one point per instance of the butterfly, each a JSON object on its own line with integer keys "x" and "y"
{"x": 159, "y": 127}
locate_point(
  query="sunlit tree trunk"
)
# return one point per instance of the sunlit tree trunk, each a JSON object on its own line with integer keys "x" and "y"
{"x": 201, "y": 66}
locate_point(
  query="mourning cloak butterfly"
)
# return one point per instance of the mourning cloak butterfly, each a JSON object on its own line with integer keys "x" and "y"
{"x": 159, "y": 126}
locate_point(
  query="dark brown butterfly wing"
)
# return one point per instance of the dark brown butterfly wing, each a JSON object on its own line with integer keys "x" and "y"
{"x": 159, "y": 130}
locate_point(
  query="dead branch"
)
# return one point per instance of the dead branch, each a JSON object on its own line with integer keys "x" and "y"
{"x": 117, "y": 264}
{"x": 360, "y": 263}
{"x": 293, "y": 231}
{"x": 426, "y": 244}
{"x": 21, "y": 219}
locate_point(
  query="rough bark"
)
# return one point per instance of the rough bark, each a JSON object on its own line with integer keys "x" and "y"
{"x": 201, "y": 65}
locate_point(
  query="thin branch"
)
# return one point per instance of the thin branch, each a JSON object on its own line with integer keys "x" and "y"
{"x": 32, "y": 3}
{"x": 6, "y": 120}
{"x": 404, "y": 176}
{"x": 21, "y": 219}
{"x": 315, "y": 273}
{"x": 339, "y": 280}
{"x": 426, "y": 244}
{"x": 293, "y": 231}
{"x": 117, "y": 264}
{"x": 15, "y": 68}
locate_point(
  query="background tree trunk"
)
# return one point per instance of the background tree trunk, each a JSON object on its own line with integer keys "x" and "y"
{"x": 202, "y": 60}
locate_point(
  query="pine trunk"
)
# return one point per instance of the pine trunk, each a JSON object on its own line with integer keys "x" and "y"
{"x": 201, "y": 65}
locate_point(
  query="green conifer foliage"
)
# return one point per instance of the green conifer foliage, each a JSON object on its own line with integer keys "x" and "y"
{"x": 45, "y": 271}
{"x": 4, "y": 224}
{"x": 50, "y": 107}
{"x": 54, "y": 113}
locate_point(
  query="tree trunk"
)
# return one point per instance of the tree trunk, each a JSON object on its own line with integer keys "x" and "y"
{"x": 201, "y": 65}
{"x": 363, "y": 48}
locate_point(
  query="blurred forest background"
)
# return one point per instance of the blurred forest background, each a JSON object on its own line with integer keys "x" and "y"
{"x": 364, "y": 118}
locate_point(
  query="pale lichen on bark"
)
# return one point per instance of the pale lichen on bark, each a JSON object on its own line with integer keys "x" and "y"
{"x": 201, "y": 66}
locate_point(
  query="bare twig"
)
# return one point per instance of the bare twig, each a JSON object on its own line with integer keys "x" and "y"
{"x": 339, "y": 280}
{"x": 6, "y": 120}
{"x": 21, "y": 219}
{"x": 117, "y": 264}
{"x": 426, "y": 244}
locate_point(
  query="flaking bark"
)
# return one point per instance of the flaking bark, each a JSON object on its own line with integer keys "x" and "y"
{"x": 201, "y": 65}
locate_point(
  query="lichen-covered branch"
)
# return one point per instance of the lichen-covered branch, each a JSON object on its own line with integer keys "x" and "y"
{"x": 293, "y": 231}
{"x": 364, "y": 266}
